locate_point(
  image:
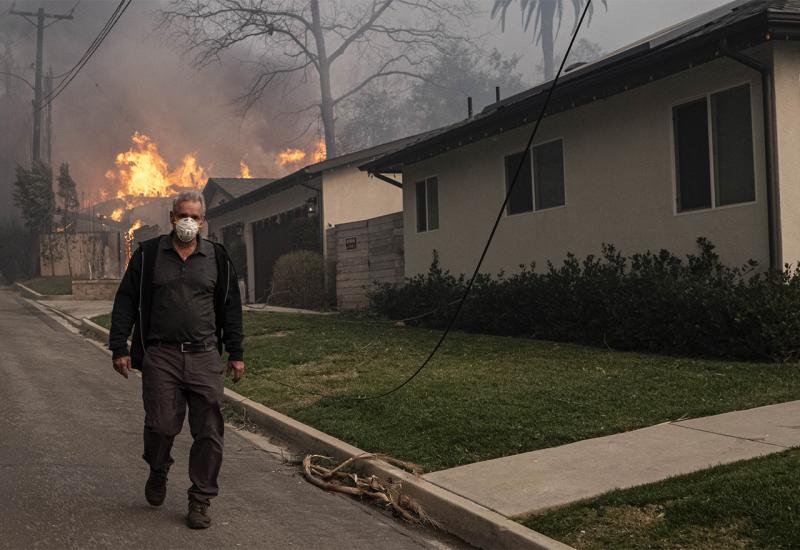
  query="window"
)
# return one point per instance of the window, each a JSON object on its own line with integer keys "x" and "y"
{"x": 521, "y": 199}
{"x": 548, "y": 177}
{"x": 427, "y": 204}
{"x": 714, "y": 150}
{"x": 541, "y": 180}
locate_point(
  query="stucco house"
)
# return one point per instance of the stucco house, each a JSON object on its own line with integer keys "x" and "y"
{"x": 259, "y": 226}
{"x": 692, "y": 132}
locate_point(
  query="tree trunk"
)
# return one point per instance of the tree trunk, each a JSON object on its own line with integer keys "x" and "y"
{"x": 69, "y": 259}
{"x": 52, "y": 254}
{"x": 326, "y": 98}
{"x": 548, "y": 19}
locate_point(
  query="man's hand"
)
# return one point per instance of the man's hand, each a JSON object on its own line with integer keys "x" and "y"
{"x": 123, "y": 365}
{"x": 237, "y": 368}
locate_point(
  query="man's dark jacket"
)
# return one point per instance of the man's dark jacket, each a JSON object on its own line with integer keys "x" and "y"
{"x": 133, "y": 304}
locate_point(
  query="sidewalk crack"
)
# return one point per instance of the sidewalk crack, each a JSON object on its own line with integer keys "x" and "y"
{"x": 751, "y": 439}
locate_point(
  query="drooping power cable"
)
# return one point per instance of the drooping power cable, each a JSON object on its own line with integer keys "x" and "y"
{"x": 525, "y": 157}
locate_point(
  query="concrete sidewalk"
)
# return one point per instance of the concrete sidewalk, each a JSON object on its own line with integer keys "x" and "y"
{"x": 531, "y": 482}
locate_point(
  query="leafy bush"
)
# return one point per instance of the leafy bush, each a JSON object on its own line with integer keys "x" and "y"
{"x": 298, "y": 280}
{"x": 646, "y": 302}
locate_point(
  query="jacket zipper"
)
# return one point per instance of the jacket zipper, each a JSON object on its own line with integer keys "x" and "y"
{"x": 227, "y": 282}
{"x": 141, "y": 286}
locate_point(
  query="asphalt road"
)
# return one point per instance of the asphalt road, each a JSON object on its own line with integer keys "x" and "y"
{"x": 71, "y": 473}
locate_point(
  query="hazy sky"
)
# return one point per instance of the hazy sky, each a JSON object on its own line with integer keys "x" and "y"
{"x": 137, "y": 81}
{"x": 624, "y": 22}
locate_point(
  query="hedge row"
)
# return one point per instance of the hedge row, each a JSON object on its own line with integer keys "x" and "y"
{"x": 647, "y": 302}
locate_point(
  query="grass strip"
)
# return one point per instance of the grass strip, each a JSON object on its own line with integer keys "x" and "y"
{"x": 748, "y": 504}
{"x": 483, "y": 396}
{"x": 50, "y": 285}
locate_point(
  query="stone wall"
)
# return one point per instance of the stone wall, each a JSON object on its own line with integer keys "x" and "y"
{"x": 97, "y": 289}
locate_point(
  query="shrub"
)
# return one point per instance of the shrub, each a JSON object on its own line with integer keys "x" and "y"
{"x": 298, "y": 280}
{"x": 646, "y": 302}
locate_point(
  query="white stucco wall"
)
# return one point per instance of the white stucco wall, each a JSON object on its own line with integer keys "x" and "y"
{"x": 350, "y": 195}
{"x": 787, "y": 115}
{"x": 619, "y": 186}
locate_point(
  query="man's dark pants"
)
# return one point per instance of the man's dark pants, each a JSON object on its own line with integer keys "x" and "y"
{"x": 172, "y": 379}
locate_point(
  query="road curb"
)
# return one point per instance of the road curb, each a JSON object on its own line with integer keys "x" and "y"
{"x": 29, "y": 292}
{"x": 94, "y": 330}
{"x": 462, "y": 517}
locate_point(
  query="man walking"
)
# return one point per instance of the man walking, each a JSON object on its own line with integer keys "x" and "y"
{"x": 180, "y": 295}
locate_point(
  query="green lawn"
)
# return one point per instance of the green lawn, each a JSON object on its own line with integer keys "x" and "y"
{"x": 483, "y": 396}
{"x": 50, "y": 285}
{"x": 748, "y": 504}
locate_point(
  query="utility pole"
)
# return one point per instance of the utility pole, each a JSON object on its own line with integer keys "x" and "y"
{"x": 48, "y": 119}
{"x": 40, "y": 16}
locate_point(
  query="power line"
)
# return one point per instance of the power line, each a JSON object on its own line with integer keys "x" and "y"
{"x": 41, "y": 16}
{"x": 497, "y": 220}
{"x": 70, "y": 75}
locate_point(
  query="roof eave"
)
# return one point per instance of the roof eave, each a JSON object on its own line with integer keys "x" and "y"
{"x": 573, "y": 92}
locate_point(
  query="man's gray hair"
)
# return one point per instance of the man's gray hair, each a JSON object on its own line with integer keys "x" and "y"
{"x": 192, "y": 196}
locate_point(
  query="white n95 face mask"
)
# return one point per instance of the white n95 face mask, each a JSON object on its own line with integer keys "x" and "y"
{"x": 186, "y": 229}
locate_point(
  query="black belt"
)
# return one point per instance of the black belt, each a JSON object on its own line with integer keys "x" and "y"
{"x": 185, "y": 347}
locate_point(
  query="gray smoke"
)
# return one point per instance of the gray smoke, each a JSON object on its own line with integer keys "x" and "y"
{"x": 137, "y": 81}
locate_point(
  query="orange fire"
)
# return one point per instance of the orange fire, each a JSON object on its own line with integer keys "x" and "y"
{"x": 129, "y": 238}
{"x": 244, "y": 170}
{"x": 142, "y": 171}
{"x": 117, "y": 214}
{"x": 320, "y": 153}
{"x": 293, "y": 158}
{"x": 289, "y": 157}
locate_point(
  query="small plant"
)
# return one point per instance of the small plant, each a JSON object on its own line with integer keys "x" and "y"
{"x": 298, "y": 280}
{"x": 646, "y": 302}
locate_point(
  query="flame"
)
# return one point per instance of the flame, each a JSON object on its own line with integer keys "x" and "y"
{"x": 142, "y": 171}
{"x": 117, "y": 214}
{"x": 293, "y": 158}
{"x": 320, "y": 153}
{"x": 244, "y": 170}
{"x": 288, "y": 157}
{"x": 129, "y": 238}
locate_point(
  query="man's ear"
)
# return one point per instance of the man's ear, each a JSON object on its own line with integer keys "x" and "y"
{"x": 172, "y": 217}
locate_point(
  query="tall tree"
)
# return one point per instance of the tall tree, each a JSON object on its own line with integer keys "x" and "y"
{"x": 379, "y": 39}
{"x": 68, "y": 194}
{"x": 440, "y": 98}
{"x": 379, "y": 115}
{"x": 33, "y": 195}
{"x": 545, "y": 29}
{"x": 68, "y": 197}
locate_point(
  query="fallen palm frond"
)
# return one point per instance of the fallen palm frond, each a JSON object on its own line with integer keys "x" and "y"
{"x": 322, "y": 472}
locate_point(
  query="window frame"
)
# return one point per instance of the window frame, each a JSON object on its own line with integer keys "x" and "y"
{"x": 535, "y": 208}
{"x": 425, "y": 180}
{"x": 706, "y": 96}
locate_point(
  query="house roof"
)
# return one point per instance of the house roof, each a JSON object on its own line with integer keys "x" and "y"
{"x": 307, "y": 173}
{"x": 271, "y": 187}
{"x": 742, "y": 23}
{"x": 234, "y": 188}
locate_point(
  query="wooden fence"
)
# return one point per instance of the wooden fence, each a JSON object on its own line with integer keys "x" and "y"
{"x": 362, "y": 252}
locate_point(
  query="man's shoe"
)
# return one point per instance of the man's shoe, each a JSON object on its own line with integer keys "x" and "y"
{"x": 155, "y": 490}
{"x": 198, "y": 517}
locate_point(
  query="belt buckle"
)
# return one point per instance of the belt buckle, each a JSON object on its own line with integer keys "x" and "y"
{"x": 183, "y": 350}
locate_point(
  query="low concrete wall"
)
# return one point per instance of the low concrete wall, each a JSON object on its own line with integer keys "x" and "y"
{"x": 97, "y": 289}
{"x": 90, "y": 255}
